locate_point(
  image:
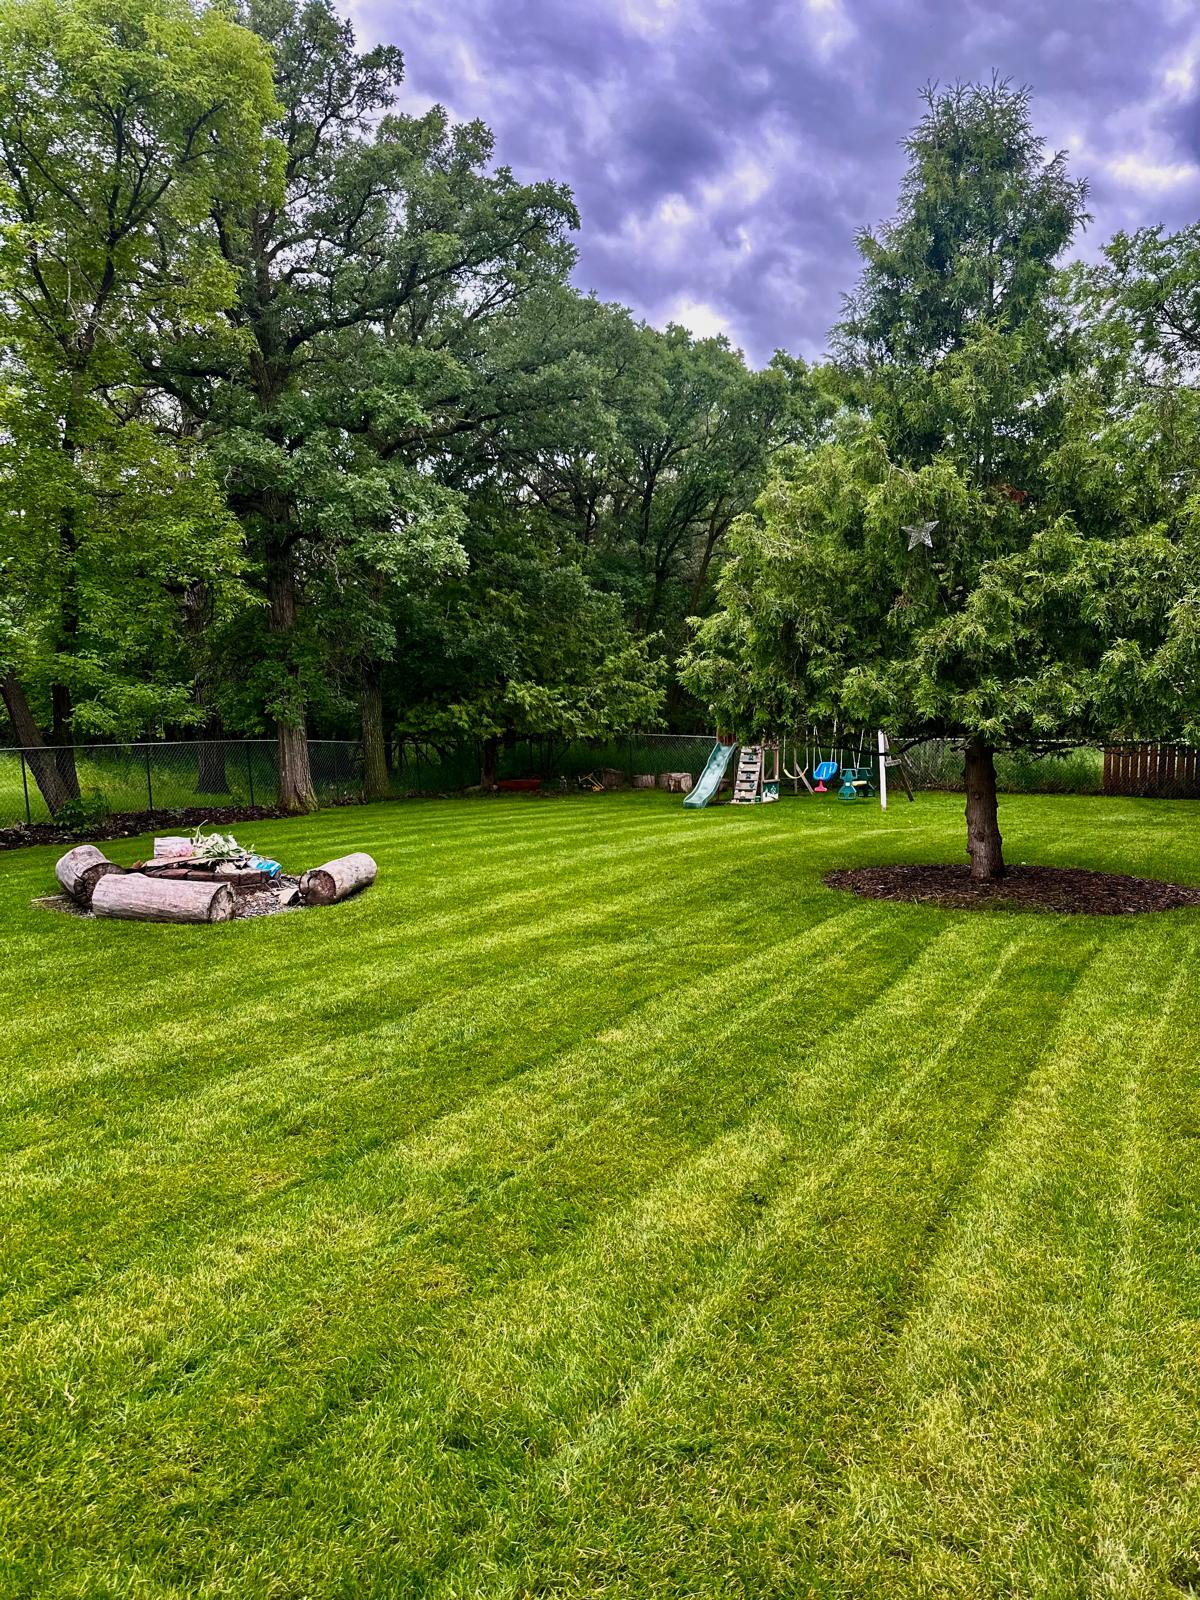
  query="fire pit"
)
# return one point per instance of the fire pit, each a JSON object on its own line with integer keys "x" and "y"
{"x": 202, "y": 880}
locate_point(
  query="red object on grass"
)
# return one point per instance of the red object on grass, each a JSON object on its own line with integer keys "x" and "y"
{"x": 518, "y": 785}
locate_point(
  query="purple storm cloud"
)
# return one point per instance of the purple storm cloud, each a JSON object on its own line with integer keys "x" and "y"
{"x": 723, "y": 154}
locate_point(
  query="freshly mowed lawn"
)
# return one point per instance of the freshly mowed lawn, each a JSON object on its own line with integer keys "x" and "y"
{"x": 601, "y": 1205}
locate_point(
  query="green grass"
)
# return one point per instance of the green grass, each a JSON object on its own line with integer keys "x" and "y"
{"x": 601, "y": 1206}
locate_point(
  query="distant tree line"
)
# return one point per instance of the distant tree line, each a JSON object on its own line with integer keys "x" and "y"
{"x": 304, "y": 428}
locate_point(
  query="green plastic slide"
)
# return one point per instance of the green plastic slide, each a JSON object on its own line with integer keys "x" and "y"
{"x": 710, "y": 779}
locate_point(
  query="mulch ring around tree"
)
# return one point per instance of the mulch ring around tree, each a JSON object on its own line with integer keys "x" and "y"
{"x": 1071, "y": 891}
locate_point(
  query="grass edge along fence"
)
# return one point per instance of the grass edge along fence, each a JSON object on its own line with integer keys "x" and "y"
{"x": 228, "y": 774}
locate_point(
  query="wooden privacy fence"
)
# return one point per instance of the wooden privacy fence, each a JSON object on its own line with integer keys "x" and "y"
{"x": 1164, "y": 771}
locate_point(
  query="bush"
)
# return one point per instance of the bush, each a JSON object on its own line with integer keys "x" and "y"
{"x": 82, "y": 815}
{"x": 937, "y": 764}
{"x": 1059, "y": 772}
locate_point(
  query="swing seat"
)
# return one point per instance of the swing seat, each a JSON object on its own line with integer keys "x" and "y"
{"x": 824, "y": 770}
{"x": 856, "y": 783}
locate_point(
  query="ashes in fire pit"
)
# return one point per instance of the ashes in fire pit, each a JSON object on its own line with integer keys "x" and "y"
{"x": 202, "y": 879}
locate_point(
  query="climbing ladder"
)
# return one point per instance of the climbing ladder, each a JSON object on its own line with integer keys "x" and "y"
{"x": 748, "y": 783}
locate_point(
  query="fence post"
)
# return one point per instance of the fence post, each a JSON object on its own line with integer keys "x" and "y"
{"x": 25, "y": 788}
{"x": 149, "y": 779}
{"x": 249, "y": 770}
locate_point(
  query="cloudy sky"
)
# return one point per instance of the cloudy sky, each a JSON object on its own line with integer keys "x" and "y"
{"x": 722, "y": 153}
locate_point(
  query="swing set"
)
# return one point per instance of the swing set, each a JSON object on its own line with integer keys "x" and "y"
{"x": 853, "y": 772}
{"x": 761, "y": 767}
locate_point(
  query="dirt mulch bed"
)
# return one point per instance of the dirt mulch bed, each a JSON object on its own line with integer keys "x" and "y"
{"x": 1068, "y": 890}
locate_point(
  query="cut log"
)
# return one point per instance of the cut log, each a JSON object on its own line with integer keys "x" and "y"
{"x": 643, "y": 780}
{"x": 81, "y": 869}
{"x": 336, "y": 879}
{"x": 613, "y": 777}
{"x": 137, "y": 898}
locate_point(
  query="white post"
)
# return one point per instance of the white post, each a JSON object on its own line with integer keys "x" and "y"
{"x": 883, "y": 750}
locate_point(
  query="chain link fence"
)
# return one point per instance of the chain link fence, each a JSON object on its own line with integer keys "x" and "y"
{"x": 226, "y": 774}
{"x": 423, "y": 768}
{"x": 205, "y": 775}
{"x": 938, "y": 764}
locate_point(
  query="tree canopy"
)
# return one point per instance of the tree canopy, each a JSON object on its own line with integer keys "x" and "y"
{"x": 963, "y": 556}
{"x": 120, "y": 123}
{"x": 304, "y": 426}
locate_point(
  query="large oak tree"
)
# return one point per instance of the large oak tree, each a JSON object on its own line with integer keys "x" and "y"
{"x": 120, "y": 121}
{"x": 348, "y": 354}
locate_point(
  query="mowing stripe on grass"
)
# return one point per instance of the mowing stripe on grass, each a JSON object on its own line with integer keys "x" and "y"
{"x": 537, "y": 1345}
{"x": 628, "y": 1214}
{"x": 1006, "y": 1367}
{"x": 425, "y": 1106}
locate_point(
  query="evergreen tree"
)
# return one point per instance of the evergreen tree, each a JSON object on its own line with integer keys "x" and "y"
{"x": 932, "y": 568}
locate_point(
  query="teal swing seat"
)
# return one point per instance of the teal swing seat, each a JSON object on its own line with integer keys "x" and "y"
{"x": 856, "y": 783}
{"x": 825, "y": 770}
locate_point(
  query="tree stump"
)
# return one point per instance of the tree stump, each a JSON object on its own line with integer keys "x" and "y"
{"x": 81, "y": 869}
{"x": 323, "y": 886}
{"x": 134, "y": 897}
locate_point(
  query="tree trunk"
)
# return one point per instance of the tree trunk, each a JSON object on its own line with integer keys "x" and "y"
{"x": 491, "y": 760}
{"x": 134, "y": 897}
{"x": 42, "y": 763}
{"x": 63, "y": 739}
{"x": 322, "y": 886}
{"x": 212, "y": 779}
{"x": 81, "y": 869}
{"x": 718, "y": 526}
{"x": 376, "y": 783}
{"x": 62, "y": 734}
{"x": 296, "y": 791}
{"x": 984, "y": 844}
{"x": 295, "y": 774}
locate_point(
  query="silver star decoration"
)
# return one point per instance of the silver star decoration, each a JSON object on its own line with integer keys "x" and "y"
{"x": 920, "y": 533}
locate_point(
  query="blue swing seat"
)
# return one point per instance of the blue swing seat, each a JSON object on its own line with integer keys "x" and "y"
{"x": 825, "y": 770}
